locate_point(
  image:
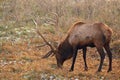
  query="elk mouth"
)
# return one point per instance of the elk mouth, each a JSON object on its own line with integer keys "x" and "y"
{"x": 59, "y": 64}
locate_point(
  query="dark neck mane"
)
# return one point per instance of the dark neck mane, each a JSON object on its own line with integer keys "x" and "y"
{"x": 65, "y": 48}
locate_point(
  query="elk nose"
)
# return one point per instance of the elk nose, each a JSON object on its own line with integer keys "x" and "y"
{"x": 59, "y": 65}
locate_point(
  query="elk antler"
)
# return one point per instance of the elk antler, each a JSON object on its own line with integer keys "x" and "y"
{"x": 52, "y": 51}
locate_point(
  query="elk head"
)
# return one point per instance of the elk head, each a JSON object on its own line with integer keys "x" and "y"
{"x": 57, "y": 51}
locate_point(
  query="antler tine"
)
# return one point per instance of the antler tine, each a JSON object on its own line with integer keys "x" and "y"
{"x": 48, "y": 54}
{"x": 45, "y": 40}
{"x": 47, "y": 43}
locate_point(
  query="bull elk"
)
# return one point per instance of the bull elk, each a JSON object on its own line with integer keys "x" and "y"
{"x": 80, "y": 36}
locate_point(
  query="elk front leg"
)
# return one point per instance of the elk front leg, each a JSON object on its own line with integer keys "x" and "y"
{"x": 84, "y": 57}
{"x": 74, "y": 59}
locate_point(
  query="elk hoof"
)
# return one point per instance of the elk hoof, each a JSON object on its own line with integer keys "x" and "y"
{"x": 99, "y": 70}
{"x": 109, "y": 70}
{"x": 86, "y": 69}
{"x": 70, "y": 70}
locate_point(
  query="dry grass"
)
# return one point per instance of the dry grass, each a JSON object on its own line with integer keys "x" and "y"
{"x": 23, "y": 62}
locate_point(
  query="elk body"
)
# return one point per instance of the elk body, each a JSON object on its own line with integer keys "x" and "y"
{"x": 80, "y": 36}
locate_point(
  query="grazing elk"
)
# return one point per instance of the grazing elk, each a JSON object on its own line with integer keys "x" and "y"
{"x": 80, "y": 36}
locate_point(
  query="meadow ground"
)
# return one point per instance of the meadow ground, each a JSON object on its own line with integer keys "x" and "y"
{"x": 20, "y": 56}
{"x": 22, "y": 61}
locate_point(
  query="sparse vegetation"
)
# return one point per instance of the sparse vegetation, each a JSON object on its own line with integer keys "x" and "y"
{"x": 20, "y": 51}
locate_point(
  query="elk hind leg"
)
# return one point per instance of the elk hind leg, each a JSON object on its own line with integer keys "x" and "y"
{"x": 107, "y": 48}
{"x": 102, "y": 56}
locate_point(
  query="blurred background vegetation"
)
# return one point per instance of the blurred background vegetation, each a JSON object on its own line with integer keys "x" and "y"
{"x": 54, "y": 17}
{"x": 20, "y": 54}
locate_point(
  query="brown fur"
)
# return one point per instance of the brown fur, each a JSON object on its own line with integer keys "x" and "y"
{"x": 80, "y": 36}
{"x": 74, "y": 25}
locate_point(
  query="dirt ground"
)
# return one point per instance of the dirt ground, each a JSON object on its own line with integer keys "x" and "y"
{"x": 20, "y": 61}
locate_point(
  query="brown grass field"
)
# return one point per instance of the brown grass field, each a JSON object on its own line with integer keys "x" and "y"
{"x": 20, "y": 54}
{"x": 24, "y": 62}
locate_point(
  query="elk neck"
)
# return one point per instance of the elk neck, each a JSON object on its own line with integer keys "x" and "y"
{"x": 65, "y": 48}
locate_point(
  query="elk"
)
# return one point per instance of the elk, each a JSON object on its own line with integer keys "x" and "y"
{"x": 80, "y": 36}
